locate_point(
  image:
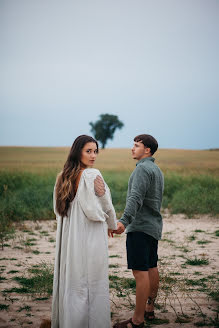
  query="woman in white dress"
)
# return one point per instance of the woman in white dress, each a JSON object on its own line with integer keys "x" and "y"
{"x": 84, "y": 221}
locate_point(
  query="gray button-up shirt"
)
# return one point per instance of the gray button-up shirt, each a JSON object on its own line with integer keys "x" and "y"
{"x": 144, "y": 198}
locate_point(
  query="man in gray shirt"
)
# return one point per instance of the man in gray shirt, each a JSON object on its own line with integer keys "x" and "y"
{"x": 143, "y": 223}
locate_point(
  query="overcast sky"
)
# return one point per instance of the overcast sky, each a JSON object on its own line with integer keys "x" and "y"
{"x": 153, "y": 63}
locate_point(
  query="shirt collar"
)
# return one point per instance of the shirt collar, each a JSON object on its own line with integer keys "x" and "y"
{"x": 152, "y": 159}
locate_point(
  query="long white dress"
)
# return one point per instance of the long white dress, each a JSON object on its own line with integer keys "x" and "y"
{"x": 81, "y": 286}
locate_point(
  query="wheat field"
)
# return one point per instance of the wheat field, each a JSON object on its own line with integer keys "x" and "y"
{"x": 42, "y": 159}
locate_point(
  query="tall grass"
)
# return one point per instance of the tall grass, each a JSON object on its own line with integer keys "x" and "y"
{"x": 195, "y": 194}
{"x": 27, "y": 177}
{"x": 25, "y": 196}
{"x": 28, "y": 196}
{"x": 118, "y": 184}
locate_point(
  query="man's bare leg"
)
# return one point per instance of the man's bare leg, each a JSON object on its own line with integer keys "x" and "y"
{"x": 142, "y": 294}
{"x": 154, "y": 285}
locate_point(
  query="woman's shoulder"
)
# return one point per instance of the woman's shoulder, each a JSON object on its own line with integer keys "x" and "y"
{"x": 91, "y": 172}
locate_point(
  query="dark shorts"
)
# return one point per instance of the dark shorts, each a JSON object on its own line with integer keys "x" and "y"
{"x": 141, "y": 251}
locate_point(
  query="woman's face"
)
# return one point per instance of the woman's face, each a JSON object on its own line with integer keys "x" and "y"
{"x": 89, "y": 154}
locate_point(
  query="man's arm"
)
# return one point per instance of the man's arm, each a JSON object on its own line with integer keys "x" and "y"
{"x": 139, "y": 188}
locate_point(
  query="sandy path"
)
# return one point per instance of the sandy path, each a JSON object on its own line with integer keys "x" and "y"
{"x": 183, "y": 239}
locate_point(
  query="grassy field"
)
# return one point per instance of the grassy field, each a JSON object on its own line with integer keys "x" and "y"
{"x": 27, "y": 176}
{"x": 43, "y": 159}
{"x": 188, "y": 253}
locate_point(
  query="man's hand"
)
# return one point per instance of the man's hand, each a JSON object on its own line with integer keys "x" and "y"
{"x": 99, "y": 186}
{"x": 120, "y": 228}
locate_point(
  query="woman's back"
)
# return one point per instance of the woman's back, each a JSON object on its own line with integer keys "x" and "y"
{"x": 81, "y": 287}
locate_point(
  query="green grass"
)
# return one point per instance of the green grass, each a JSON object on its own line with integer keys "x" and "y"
{"x": 36, "y": 252}
{"x": 157, "y": 322}
{"x": 113, "y": 266}
{"x": 198, "y": 282}
{"x": 183, "y": 249}
{"x": 39, "y": 282}
{"x": 26, "y": 308}
{"x": 215, "y": 294}
{"x": 2, "y": 279}
{"x": 191, "y": 194}
{"x": 203, "y": 242}
{"x": 112, "y": 256}
{"x": 41, "y": 298}
{"x": 183, "y": 319}
{"x": 13, "y": 271}
{"x": 197, "y": 261}
{"x": 27, "y": 243}
{"x": 175, "y": 273}
{"x": 123, "y": 286}
{"x": 127, "y": 283}
{"x": 192, "y": 238}
{"x": 208, "y": 323}
{"x": 167, "y": 280}
{"x": 3, "y": 307}
{"x": 28, "y": 196}
{"x": 172, "y": 242}
{"x": 22, "y": 290}
{"x": 44, "y": 233}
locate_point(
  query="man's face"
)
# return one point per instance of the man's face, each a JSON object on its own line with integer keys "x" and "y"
{"x": 139, "y": 151}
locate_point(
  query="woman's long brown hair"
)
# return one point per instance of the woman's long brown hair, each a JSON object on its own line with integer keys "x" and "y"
{"x": 65, "y": 184}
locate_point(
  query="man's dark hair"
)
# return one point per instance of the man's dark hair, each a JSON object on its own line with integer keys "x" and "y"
{"x": 148, "y": 141}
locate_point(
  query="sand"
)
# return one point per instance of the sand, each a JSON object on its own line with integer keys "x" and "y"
{"x": 184, "y": 288}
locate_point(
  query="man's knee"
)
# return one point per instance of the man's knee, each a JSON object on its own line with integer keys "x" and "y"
{"x": 153, "y": 270}
{"x": 153, "y": 273}
{"x": 140, "y": 274}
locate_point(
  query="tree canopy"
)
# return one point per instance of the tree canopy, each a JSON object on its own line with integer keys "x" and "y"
{"x": 105, "y": 127}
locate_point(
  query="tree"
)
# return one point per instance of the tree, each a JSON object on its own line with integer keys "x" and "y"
{"x": 104, "y": 128}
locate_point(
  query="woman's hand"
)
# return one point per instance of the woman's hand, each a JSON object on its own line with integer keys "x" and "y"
{"x": 110, "y": 232}
{"x": 99, "y": 186}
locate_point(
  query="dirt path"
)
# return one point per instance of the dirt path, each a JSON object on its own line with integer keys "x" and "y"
{"x": 188, "y": 264}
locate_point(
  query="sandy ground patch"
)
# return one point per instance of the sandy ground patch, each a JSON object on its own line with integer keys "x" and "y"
{"x": 184, "y": 288}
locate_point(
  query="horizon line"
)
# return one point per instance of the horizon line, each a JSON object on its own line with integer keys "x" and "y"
{"x": 164, "y": 148}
